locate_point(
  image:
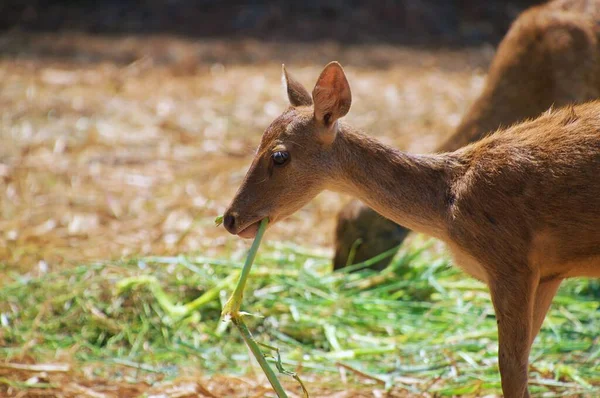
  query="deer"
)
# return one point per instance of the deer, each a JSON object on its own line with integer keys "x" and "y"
{"x": 518, "y": 209}
{"x": 549, "y": 57}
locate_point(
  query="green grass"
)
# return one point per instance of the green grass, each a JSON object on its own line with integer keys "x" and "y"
{"x": 419, "y": 319}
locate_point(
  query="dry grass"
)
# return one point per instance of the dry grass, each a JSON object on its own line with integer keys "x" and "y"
{"x": 121, "y": 146}
{"x": 62, "y": 380}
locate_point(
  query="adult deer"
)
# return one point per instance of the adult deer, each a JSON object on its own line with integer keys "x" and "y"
{"x": 550, "y": 56}
{"x": 519, "y": 210}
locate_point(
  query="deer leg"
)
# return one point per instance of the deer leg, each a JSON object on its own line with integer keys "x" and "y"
{"x": 513, "y": 298}
{"x": 544, "y": 294}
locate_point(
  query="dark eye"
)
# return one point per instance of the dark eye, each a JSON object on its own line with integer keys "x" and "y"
{"x": 280, "y": 157}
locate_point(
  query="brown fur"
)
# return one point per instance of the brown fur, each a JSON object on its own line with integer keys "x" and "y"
{"x": 360, "y": 232}
{"x": 538, "y": 222}
{"x": 549, "y": 57}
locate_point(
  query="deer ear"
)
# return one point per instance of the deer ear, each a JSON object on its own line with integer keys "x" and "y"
{"x": 331, "y": 95}
{"x": 296, "y": 92}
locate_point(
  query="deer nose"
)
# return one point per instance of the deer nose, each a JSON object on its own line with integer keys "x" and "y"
{"x": 229, "y": 223}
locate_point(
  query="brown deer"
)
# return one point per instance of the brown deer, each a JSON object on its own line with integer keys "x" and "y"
{"x": 550, "y": 56}
{"x": 519, "y": 209}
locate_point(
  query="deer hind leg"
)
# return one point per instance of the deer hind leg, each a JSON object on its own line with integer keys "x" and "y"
{"x": 544, "y": 294}
{"x": 513, "y": 296}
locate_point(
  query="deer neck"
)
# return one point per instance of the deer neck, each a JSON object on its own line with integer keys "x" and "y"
{"x": 411, "y": 190}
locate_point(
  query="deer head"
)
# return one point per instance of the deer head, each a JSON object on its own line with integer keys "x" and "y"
{"x": 294, "y": 161}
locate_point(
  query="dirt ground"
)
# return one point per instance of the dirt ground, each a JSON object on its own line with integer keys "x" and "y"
{"x": 124, "y": 146}
{"x": 83, "y": 383}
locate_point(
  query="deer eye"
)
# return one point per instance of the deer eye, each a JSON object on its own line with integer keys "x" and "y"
{"x": 280, "y": 157}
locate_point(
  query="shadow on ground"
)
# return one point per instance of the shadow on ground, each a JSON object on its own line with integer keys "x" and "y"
{"x": 409, "y": 22}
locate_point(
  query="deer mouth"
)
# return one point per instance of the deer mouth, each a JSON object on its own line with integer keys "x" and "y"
{"x": 250, "y": 231}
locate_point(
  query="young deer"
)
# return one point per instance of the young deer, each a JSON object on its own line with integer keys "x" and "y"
{"x": 548, "y": 57}
{"x": 519, "y": 210}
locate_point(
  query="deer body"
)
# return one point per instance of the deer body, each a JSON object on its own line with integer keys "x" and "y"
{"x": 549, "y": 57}
{"x": 506, "y": 194}
{"x": 519, "y": 209}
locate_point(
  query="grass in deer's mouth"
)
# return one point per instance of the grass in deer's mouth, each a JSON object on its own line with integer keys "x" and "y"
{"x": 420, "y": 326}
{"x": 231, "y": 312}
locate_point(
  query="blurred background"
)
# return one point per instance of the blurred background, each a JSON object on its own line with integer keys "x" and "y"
{"x": 421, "y": 22}
{"x": 125, "y": 129}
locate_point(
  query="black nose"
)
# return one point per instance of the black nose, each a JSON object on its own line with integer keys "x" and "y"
{"x": 229, "y": 222}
